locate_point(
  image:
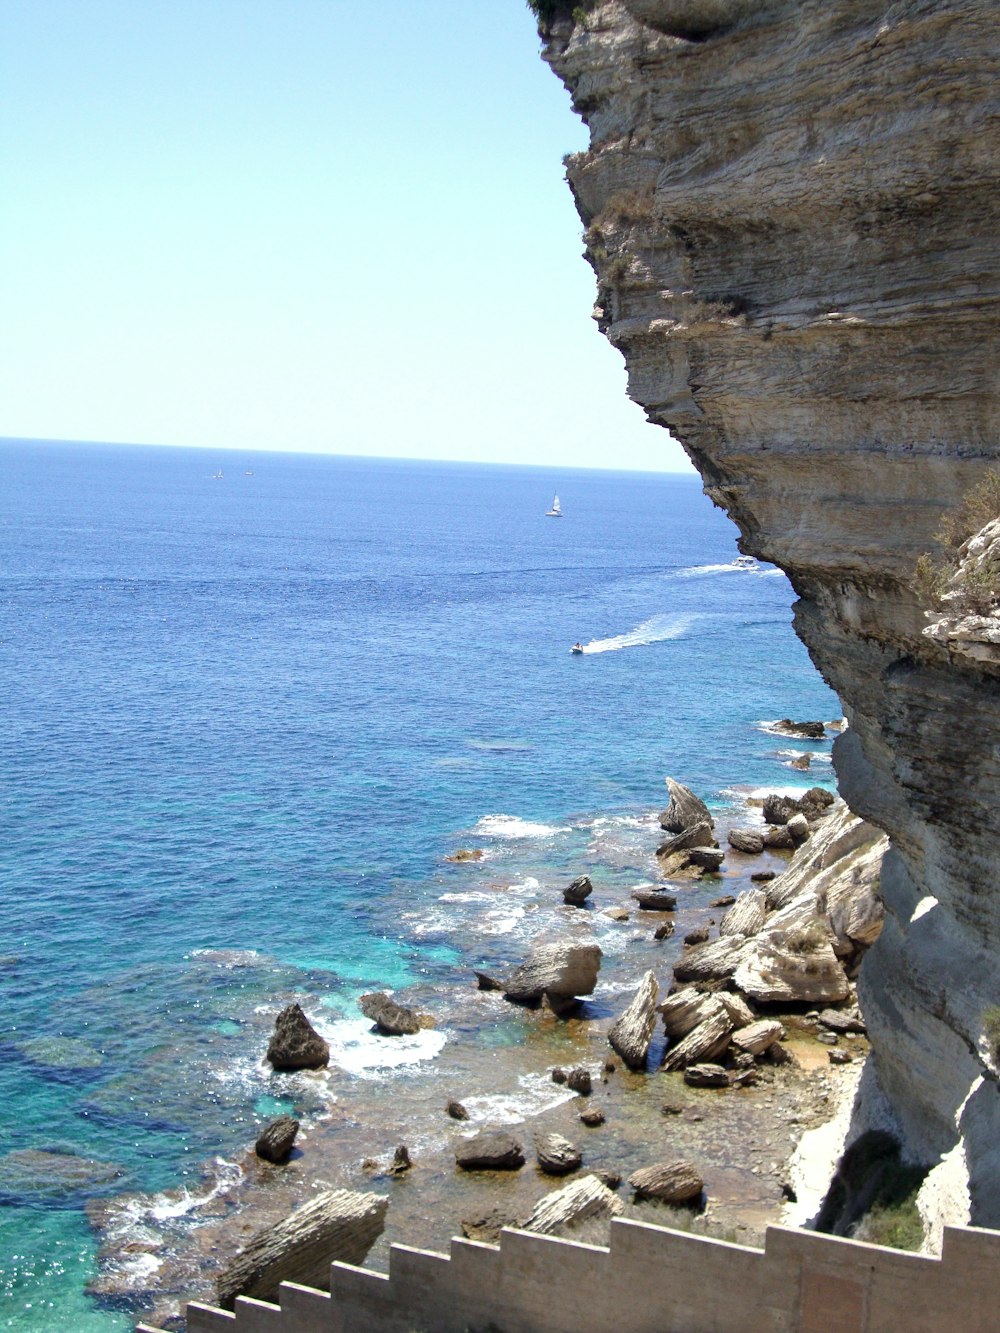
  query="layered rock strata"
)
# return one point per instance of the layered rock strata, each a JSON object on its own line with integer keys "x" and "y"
{"x": 791, "y": 209}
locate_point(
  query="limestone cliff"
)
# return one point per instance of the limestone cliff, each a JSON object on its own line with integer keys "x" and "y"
{"x": 791, "y": 208}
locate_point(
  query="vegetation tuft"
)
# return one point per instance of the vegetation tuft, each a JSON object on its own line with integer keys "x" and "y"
{"x": 873, "y": 1196}
{"x": 548, "y": 12}
{"x": 991, "y": 1027}
{"x": 977, "y": 590}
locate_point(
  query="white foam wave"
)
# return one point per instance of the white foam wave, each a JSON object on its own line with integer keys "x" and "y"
{"x": 701, "y": 571}
{"x": 499, "y": 921}
{"x": 658, "y": 629}
{"x": 357, "y": 1050}
{"x": 509, "y": 826}
{"x": 537, "y": 1094}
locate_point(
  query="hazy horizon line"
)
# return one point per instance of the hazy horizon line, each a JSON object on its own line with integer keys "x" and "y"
{"x": 335, "y": 453}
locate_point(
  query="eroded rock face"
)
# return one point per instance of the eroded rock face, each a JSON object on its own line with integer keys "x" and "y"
{"x": 793, "y": 228}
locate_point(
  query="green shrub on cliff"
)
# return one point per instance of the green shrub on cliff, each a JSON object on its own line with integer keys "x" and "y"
{"x": 548, "y": 11}
{"x": 977, "y": 589}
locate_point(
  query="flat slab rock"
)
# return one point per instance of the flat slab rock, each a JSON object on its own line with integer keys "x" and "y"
{"x": 560, "y": 968}
{"x": 672, "y": 1182}
{"x": 631, "y": 1034}
{"x": 705, "y": 1042}
{"x": 491, "y": 1150}
{"x": 706, "y": 1076}
{"x": 337, "y": 1224}
{"x": 654, "y": 900}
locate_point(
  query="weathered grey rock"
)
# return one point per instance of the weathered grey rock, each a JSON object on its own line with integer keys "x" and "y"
{"x": 679, "y": 865}
{"x": 401, "y": 1161}
{"x": 712, "y": 962}
{"x": 685, "y": 809}
{"x": 556, "y": 1155}
{"x": 616, "y": 913}
{"x": 838, "y": 421}
{"x": 485, "y": 982}
{"x": 756, "y": 1038}
{"x": 664, "y": 931}
{"x": 654, "y": 900}
{"x": 685, "y": 1009}
{"x": 697, "y": 936}
{"x": 391, "y": 1019}
{"x": 779, "y": 838}
{"x": 698, "y": 835}
{"x": 337, "y": 1224}
{"x": 593, "y": 1117}
{"x": 631, "y": 1034}
{"x": 572, "y": 1210}
{"x": 778, "y": 971}
{"x": 798, "y": 827}
{"x": 578, "y": 1080}
{"x": 779, "y": 809}
{"x": 706, "y": 1076}
{"x": 671, "y": 1182}
{"x": 802, "y": 762}
{"x": 295, "y": 1043}
{"x": 842, "y": 1020}
{"x": 276, "y": 1140}
{"x": 490, "y": 1150}
{"x": 576, "y": 893}
{"x": 748, "y": 840}
{"x": 706, "y": 1042}
{"x": 558, "y": 968}
{"x": 457, "y": 1111}
{"x": 707, "y": 858}
{"x": 737, "y": 1008}
{"x": 747, "y": 914}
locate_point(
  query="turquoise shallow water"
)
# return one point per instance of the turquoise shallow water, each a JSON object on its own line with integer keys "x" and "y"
{"x": 252, "y": 713}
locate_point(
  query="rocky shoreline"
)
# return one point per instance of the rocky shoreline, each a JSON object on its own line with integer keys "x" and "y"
{"x": 678, "y": 1081}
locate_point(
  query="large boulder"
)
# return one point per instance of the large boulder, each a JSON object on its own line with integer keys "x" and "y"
{"x": 577, "y": 893}
{"x": 747, "y": 840}
{"x": 560, "y": 969}
{"x": 708, "y": 1041}
{"x": 671, "y": 1182}
{"x": 580, "y": 1211}
{"x": 747, "y": 914}
{"x": 391, "y": 1019}
{"x": 794, "y": 969}
{"x": 337, "y": 1224}
{"x": 684, "y": 1010}
{"x": 295, "y": 1043}
{"x": 556, "y": 1155}
{"x": 779, "y": 809}
{"x": 631, "y": 1034}
{"x": 712, "y": 962}
{"x": 652, "y": 899}
{"x": 490, "y": 1150}
{"x": 276, "y": 1140}
{"x": 706, "y": 858}
{"x": 698, "y": 835}
{"x": 685, "y": 809}
{"x": 756, "y": 1038}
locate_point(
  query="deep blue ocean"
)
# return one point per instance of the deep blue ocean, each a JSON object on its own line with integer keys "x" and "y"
{"x": 254, "y": 711}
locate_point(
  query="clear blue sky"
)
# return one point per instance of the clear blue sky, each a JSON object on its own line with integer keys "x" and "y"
{"x": 299, "y": 224}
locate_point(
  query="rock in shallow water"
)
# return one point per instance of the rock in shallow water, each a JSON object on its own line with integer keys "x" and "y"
{"x": 391, "y": 1019}
{"x": 631, "y": 1034}
{"x": 671, "y": 1182}
{"x": 685, "y": 809}
{"x": 556, "y": 1155}
{"x": 276, "y": 1140}
{"x": 295, "y": 1043}
{"x": 577, "y": 893}
{"x": 491, "y": 1150}
{"x": 558, "y": 968}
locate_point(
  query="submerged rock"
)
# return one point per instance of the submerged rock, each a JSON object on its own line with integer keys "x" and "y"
{"x": 37, "y": 1173}
{"x": 490, "y": 1150}
{"x": 337, "y": 1224}
{"x": 579, "y": 1081}
{"x": 457, "y": 1111}
{"x": 391, "y": 1019}
{"x": 295, "y": 1043}
{"x": 631, "y": 1034}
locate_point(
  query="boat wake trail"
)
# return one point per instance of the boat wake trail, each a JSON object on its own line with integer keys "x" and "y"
{"x": 700, "y": 571}
{"x": 656, "y": 630}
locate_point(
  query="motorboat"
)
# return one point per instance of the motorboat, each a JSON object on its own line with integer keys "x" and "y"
{"x": 556, "y": 510}
{"x": 744, "y": 562}
{"x": 577, "y": 649}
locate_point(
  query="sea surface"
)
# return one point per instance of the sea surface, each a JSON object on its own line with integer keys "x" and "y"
{"x": 249, "y": 706}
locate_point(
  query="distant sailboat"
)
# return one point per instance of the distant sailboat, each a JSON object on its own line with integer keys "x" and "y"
{"x": 556, "y": 510}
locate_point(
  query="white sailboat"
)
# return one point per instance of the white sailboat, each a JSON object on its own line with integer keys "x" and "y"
{"x": 556, "y": 510}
